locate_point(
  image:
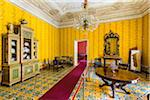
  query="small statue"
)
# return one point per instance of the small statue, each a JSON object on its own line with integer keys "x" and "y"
{"x": 10, "y": 28}
{"x": 113, "y": 66}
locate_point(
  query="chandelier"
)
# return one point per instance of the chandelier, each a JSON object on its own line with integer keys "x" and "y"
{"x": 85, "y": 22}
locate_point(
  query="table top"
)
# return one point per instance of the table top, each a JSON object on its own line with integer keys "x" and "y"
{"x": 120, "y": 75}
{"x": 111, "y": 57}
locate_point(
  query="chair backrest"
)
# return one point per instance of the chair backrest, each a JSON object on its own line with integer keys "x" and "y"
{"x": 123, "y": 66}
{"x": 97, "y": 60}
{"x": 55, "y": 62}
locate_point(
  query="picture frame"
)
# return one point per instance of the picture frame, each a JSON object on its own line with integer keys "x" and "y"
{"x": 135, "y": 60}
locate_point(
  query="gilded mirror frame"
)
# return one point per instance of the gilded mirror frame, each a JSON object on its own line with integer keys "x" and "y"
{"x": 108, "y": 45}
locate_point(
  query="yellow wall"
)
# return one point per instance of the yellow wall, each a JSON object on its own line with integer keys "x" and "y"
{"x": 130, "y": 32}
{"x": 146, "y": 40}
{"x": 55, "y": 42}
{"x": 46, "y": 34}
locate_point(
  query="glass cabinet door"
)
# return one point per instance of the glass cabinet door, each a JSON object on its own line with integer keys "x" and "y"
{"x": 13, "y": 50}
{"x": 27, "y": 49}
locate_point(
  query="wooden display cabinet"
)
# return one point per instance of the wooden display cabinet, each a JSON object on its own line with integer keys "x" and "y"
{"x": 29, "y": 65}
{"x": 19, "y": 54}
{"x": 11, "y": 67}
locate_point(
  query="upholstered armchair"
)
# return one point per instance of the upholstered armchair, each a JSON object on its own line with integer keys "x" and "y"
{"x": 97, "y": 62}
{"x": 56, "y": 64}
{"x": 70, "y": 61}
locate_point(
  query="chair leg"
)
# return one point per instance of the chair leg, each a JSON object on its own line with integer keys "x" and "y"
{"x": 148, "y": 96}
{"x": 53, "y": 68}
{"x": 57, "y": 68}
{"x": 62, "y": 67}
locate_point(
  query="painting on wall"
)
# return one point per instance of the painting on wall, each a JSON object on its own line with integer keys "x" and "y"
{"x": 135, "y": 60}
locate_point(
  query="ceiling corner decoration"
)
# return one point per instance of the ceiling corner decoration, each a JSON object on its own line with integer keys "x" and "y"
{"x": 61, "y": 13}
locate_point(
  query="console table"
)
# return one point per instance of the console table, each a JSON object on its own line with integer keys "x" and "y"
{"x": 111, "y": 58}
{"x": 121, "y": 77}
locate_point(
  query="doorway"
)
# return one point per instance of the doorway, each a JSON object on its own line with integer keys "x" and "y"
{"x": 80, "y": 51}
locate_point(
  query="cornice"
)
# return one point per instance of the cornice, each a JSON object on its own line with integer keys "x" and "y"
{"x": 35, "y": 11}
{"x": 69, "y": 24}
{"x": 145, "y": 9}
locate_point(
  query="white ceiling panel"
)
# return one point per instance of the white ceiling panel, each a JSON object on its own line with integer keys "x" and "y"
{"x": 64, "y": 11}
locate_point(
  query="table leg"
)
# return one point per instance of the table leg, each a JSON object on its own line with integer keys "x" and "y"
{"x": 102, "y": 85}
{"x": 148, "y": 96}
{"x": 116, "y": 62}
{"x": 112, "y": 85}
{"x": 104, "y": 63}
{"x": 105, "y": 84}
{"x": 121, "y": 86}
{"x": 113, "y": 89}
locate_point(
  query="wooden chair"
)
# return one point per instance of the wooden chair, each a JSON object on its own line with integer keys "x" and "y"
{"x": 123, "y": 66}
{"x": 69, "y": 61}
{"x": 146, "y": 70}
{"x": 57, "y": 65}
{"x": 50, "y": 64}
{"x": 45, "y": 64}
{"x": 97, "y": 62}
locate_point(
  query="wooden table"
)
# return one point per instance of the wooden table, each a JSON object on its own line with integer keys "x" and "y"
{"x": 111, "y": 58}
{"x": 121, "y": 77}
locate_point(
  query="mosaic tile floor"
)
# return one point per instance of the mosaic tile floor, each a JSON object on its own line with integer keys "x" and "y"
{"x": 90, "y": 90}
{"x": 35, "y": 87}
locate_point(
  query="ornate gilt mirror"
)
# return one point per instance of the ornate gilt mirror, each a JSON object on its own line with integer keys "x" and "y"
{"x": 111, "y": 44}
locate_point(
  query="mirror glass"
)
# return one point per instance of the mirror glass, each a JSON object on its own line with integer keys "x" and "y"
{"x": 111, "y": 46}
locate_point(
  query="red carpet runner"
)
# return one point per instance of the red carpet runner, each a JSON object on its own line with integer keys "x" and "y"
{"x": 63, "y": 89}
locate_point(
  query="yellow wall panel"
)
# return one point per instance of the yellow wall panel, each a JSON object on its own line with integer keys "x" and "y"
{"x": 101, "y": 39}
{"x": 95, "y": 43}
{"x": 113, "y": 26}
{"x": 139, "y": 33}
{"x": 54, "y": 42}
{"x": 126, "y": 39}
{"x": 45, "y": 33}
{"x": 146, "y": 40}
{"x": 71, "y": 42}
{"x": 119, "y": 32}
{"x": 61, "y": 40}
{"x": 50, "y": 42}
{"x": 90, "y": 45}
{"x": 67, "y": 41}
{"x": 64, "y": 43}
{"x": 130, "y": 32}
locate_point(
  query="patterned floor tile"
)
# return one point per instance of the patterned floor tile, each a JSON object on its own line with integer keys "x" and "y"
{"x": 90, "y": 90}
{"x": 35, "y": 87}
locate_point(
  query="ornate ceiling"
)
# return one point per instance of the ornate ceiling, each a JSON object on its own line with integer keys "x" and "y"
{"x": 62, "y": 12}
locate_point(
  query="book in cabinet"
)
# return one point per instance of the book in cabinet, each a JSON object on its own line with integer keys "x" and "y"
{"x": 11, "y": 66}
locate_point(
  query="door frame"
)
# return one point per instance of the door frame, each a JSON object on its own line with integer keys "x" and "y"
{"x": 76, "y": 50}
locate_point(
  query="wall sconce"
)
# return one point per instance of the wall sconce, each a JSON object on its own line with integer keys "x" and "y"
{"x": 23, "y": 21}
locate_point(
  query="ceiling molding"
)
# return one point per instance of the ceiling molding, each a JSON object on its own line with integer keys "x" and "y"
{"x": 35, "y": 11}
{"x": 69, "y": 24}
{"x": 124, "y": 14}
